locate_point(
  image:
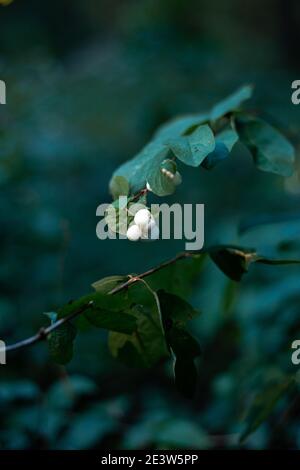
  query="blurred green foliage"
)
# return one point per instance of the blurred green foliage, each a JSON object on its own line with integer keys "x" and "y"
{"x": 87, "y": 84}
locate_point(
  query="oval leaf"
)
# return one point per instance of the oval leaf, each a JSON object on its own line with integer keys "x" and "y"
{"x": 271, "y": 151}
{"x": 192, "y": 149}
{"x": 231, "y": 103}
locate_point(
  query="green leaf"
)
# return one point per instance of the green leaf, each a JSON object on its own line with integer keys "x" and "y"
{"x": 146, "y": 165}
{"x": 126, "y": 349}
{"x": 263, "y": 405}
{"x": 150, "y": 332}
{"x": 225, "y": 142}
{"x": 120, "y": 321}
{"x": 117, "y": 302}
{"x": 189, "y": 138}
{"x": 193, "y": 148}
{"x": 185, "y": 349}
{"x": 180, "y": 126}
{"x": 233, "y": 261}
{"x": 119, "y": 186}
{"x": 143, "y": 166}
{"x": 176, "y": 311}
{"x": 104, "y": 311}
{"x": 231, "y": 103}
{"x": 183, "y": 344}
{"x": 107, "y": 284}
{"x": 271, "y": 151}
{"x": 60, "y": 343}
{"x": 160, "y": 184}
{"x": 146, "y": 346}
{"x": 151, "y": 337}
{"x": 178, "y": 278}
{"x": 82, "y": 324}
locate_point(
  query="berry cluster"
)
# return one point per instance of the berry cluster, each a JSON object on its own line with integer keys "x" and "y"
{"x": 144, "y": 227}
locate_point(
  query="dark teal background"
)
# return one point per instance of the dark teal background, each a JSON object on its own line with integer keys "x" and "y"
{"x": 87, "y": 84}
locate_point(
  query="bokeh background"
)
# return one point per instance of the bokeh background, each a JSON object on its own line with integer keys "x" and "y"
{"x": 87, "y": 84}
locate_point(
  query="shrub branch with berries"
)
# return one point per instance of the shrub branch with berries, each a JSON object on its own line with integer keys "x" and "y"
{"x": 198, "y": 140}
{"x": 147, "y": 315}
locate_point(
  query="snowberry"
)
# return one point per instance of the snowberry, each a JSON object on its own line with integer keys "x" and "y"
{"x": 177, "y": 178}
{"x": 142, "y": 218}
{"x": 146, "y": 229}
{"x": 134, "y": 233}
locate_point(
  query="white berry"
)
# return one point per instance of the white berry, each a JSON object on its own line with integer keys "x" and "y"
{"x": 142, "y": 218}
{"x": 146, "y": 229}
{"x": 134, "y": 233}
{"x": 177, "y": 178}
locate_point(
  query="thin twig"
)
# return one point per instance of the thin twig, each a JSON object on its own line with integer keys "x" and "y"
{"x": 44, "y": 332}
{"x": 134, "y": 279}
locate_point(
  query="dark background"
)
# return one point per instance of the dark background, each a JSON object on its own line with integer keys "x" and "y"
{"x": 87, "y": 84}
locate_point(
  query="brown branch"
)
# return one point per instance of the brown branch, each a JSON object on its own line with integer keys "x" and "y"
{"x": 134, "y": 279}
{"x": 44, "y": 332}
{"x": 139, "y": 194}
